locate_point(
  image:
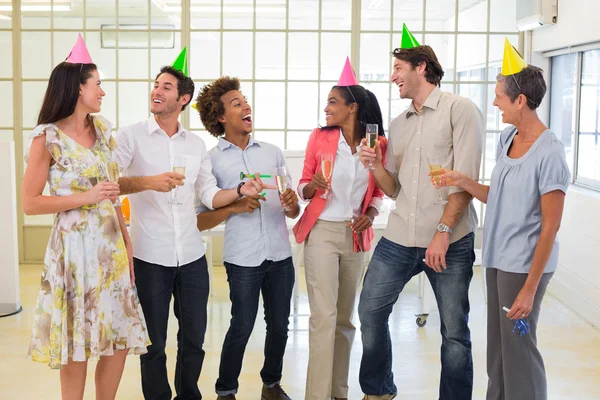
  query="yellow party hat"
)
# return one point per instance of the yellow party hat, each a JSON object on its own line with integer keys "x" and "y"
{"x": 512, "y": 63}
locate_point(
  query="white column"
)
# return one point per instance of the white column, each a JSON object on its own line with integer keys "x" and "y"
{"x": 9, "y": 246}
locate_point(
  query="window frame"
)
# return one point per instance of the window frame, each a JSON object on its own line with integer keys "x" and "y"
{"x": 576, "y": 179}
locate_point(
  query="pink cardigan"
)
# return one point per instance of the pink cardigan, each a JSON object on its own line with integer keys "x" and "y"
{"x": 327, "y": 142}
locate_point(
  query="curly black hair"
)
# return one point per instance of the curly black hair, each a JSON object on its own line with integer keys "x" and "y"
{"x": 185, "y": 84}
{"x": 209, "y": 104}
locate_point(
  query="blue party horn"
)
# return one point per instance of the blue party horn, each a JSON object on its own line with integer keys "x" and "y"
{"x": 521, "y": 325}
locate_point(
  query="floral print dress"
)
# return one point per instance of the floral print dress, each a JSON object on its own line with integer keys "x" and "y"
{"x": 86, "y": 307}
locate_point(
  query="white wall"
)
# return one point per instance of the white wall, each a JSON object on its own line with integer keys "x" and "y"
{"x": 9, "y": 268}
{"x": 577, "y": 280}
{"x": 577, "y": 23}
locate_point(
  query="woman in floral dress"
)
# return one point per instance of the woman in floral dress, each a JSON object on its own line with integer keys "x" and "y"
{"x": 87, "y": 308}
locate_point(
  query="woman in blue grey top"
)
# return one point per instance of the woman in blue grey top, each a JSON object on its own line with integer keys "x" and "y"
{"x": 520, "y": 252}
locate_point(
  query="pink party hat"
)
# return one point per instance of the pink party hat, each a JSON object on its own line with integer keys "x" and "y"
{"x": 348, "y": 78}
{"x": 79, "y": 54}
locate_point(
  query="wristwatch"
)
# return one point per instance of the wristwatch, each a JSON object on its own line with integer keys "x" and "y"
{"x": 239, "y": 189}
{"x": 443, "y": 228}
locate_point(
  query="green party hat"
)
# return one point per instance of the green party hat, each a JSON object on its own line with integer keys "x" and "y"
{"x": 408, "y": 40}
{"x": 181, "y": 63}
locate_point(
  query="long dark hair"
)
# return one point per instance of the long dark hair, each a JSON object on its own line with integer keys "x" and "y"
{"x": 369, "y": 111}
{"x": 63, "y": 91}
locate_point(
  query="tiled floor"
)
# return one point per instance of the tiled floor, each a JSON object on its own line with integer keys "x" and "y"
{"x": 570, "y": 345}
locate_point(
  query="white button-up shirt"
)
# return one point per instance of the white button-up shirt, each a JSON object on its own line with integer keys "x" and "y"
{"x": 349, "y": 183}
{"x": 162, "y": 233}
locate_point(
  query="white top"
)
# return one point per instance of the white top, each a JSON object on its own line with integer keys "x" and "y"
{"x": 162, "y": 233}
{"x": 349, "y": 183}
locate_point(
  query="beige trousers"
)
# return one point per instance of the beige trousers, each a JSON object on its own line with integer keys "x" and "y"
{"x": 333, "y": 273}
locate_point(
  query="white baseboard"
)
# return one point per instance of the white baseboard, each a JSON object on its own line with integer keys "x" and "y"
{"x": 574, "y": 300}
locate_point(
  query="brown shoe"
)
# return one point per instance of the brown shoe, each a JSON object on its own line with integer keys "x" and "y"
{"x": 382, "y": 397}
{"x": 228, "y": 397}
{"x": 274, "y": 393}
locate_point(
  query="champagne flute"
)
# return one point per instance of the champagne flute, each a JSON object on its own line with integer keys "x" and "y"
{"x": 282, "y": 182}
{"x": 327, "y": 171}
{"x": 113, "y": 174}
{"x": 178, "y": 167}
{"x": 372, "y": 133}
{"x": 435, "y": 170}
{"x": 110, "y": 173}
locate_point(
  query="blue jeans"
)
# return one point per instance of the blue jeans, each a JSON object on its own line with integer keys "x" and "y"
{"x": 188, "y": 285}
{"x": 276, "y": 282}
{"x": 391, "y": 267}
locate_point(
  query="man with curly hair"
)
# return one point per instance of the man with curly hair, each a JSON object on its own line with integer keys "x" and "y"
{"x": 257, "y": 252}
{"x": 168, "y": 255}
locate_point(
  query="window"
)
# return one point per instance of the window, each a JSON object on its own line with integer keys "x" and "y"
{"x": 575, "y": 112}
{"x": 562, "y": 101}
{"x": 288, "y": 54}
{"x": 127, "y": 62}
{"x": 588, "y": 156}
{"x": 468, "y": 38}
{"x": 273, "y": 47}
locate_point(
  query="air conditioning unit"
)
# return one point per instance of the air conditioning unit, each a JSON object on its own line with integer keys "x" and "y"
{"x": 534, "y": 14}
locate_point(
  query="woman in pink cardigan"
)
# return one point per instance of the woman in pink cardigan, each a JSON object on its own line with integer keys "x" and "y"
{"x": 337, "y": 232}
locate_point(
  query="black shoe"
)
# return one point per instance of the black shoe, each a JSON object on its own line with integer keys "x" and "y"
{"x": 274, "y": 393}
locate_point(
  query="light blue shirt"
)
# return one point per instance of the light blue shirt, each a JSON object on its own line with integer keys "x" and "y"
{"x": 252, "y": 238}
{"x": 513, "y": 217}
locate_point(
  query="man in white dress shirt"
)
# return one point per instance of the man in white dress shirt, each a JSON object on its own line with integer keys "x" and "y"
{"x": 169, "y": 257}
